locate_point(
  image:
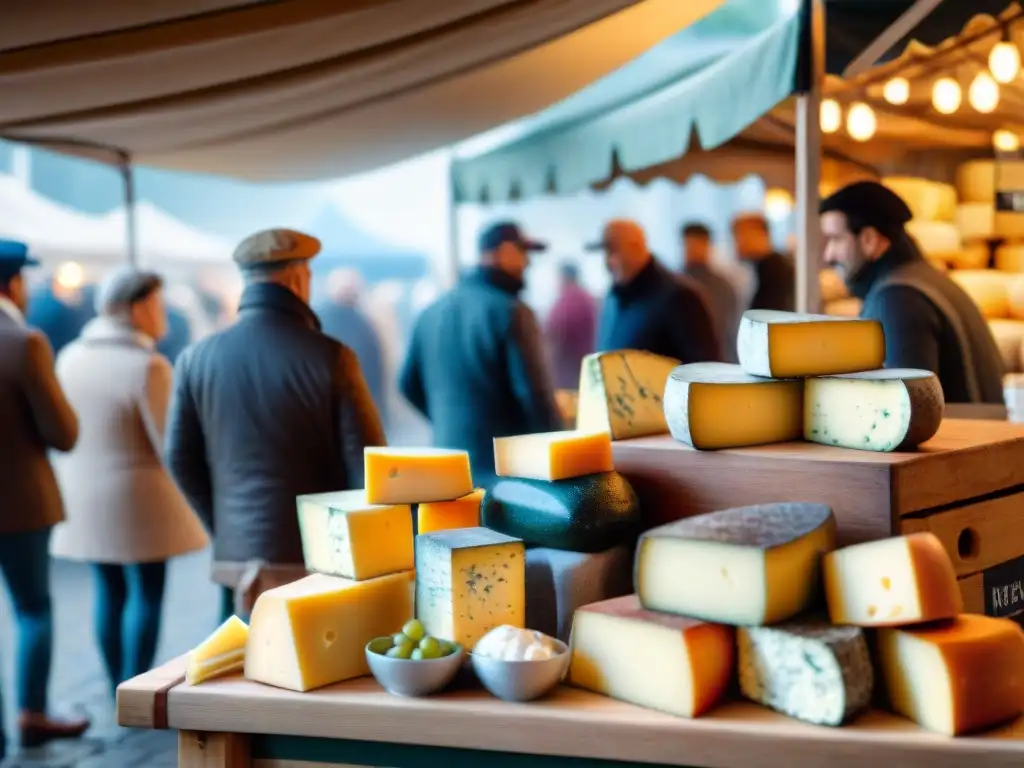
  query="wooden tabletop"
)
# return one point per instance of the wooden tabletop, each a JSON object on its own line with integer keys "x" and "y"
{"x": 569, "y": 723}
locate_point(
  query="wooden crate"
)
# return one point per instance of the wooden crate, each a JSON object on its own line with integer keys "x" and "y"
{"x": 966, "y": 486}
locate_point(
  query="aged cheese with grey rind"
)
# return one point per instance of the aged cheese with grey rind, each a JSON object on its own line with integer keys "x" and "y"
{"x": 808, "y": 669}
{"x": 895, "y": 409}
{"x": 745, "y": 566}
{"x": 621, "y": 392}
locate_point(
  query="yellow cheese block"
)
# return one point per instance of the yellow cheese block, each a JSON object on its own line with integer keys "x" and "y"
{"x": 988, "y": 289}
{"x": 717, "y": 405}
{"x": 221, "y": 653}
{"x": 620, "y": 393}
{"x": 831, "y": 287}
{"x": 928, "y": 200}
{"x": 976, "y": 181}
{"x": 936, "y": 239}
{"x": 313, "y": 632}
{"x": 469, "y": 581}
{"x": 669, "y": 663}
{"x": 1010, "y": 257}
{"x": 955, "y": 678}
{"x": 972, "y": 256}
{"x": 414, "y": 475}
{"x": 434, "y": 516}
{"x": 891, "y": 582}
{"x": 1009, "y": 225}
{"x": 553, "y": 455}
{"x": 1009, "y": 337}
{"x": 976, "y": 221}
{"x": 343, "y": 535}
{"x": 850, "y": 307}
{"x": 785, "y": 345}
{"x": 1015, "y": 296}
{"x": 744, "y": 566}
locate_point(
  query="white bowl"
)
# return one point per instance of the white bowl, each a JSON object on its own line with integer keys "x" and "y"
{"x": 414, "y": 677}
{"x": 522, "y": 680}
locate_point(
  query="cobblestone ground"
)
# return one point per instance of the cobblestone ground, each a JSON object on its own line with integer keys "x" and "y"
{"x": 78, "y": 684}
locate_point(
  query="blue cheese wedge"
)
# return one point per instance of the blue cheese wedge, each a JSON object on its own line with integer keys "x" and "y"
{"x": 885, "y": 410}
{"x": 621, "y": 393}
{"x": 811, "y": 670}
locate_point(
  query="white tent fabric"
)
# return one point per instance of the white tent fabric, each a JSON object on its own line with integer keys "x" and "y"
{"x": 163, "y": 238}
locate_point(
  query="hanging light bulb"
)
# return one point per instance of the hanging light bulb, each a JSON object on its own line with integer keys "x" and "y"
{"x": 983, "y": 94}
{"x": 896, "y": 91}
{"x": 946, "y": 95}
{"x": 831, "y": 116}
{"x": 1005, "y": 141}
{"x": 778, "y": 204}
{"x": 1004, "y": 61}
{"x": 861, "y": 122}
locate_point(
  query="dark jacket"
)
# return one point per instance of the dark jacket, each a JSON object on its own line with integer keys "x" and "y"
{"x": 723, "y": 302}
{"x": 570, "y": 331}
{"x": 930, "y": 323}
{"x": 776, "y": 283}
{"x": 263, "y": 411}
{"x": 350, "y": 326}
{"x": 476, "y": 369}
{"x": 661, "y": 313}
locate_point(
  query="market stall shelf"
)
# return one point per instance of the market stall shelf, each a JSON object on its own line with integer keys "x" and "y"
{"x": 234, "y": 723}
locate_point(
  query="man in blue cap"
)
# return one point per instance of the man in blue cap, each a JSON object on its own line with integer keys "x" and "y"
{"x": 36, "y": 417}
{"x": 476, "y": 366}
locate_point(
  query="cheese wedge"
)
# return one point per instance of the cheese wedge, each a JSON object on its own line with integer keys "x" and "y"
{"x": 669, "y": 663}
{"x": 313, "y": 632}
{"x": 553, "y": 455}
{"x": 895, "y": 409}
{"x": 891, "y": 582}
{"x": 717, "y": 405}
{"x": 743, "y": 566}
{"x": 621, "y": 393}
{"x": 464, "y": 512}
{"x": 786, "y": 345}
{"x": 343, "y": 535}
{"x": 413, "y": 475}
{"x": 222, "y": 653}
{"x": 955, "y": 678}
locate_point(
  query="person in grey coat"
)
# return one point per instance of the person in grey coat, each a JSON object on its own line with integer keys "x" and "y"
{"x": 263, "y": 411}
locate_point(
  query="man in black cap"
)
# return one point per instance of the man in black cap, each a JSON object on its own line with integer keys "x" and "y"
{"x": 929, "y": 321}
{"x": 475, "y": 366}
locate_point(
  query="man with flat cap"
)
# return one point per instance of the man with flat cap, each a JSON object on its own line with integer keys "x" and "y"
{"x": 263, "y": 411}
{"x": 35, "y": 417}
{"x": 929, "y": 321}
{"x": 648, "y": 307}
{"x": 476, "y": 366}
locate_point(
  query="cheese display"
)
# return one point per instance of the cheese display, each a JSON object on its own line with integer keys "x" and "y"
{"x": 591, "y": 513}
{"x": 668, "y": 663}
{"x": 313, "y": 632}
{"x": 936, "y": 239}
{"x": 976, "y": 221}
{"x": 971, "y": 256}
{"x": 469, "y": 581}
{"x": 1009, "y": 225}
{"x": 844, "y": 307}
{"x": 515, "y": 644}
{"x": 955, "y": 678}
{"x": 750, "y": 565}
{"x": 1015, "y": 297}
{"x": 891, "y": 582}
{"x": 711, "y": 406}
{"x": 928, "y": 200}
{"x": 222, "y": 653}
{"x": 1009, "y": 337}
{"x": 894, "y": 409}
{"x": 810, "y": 670}
{"x": 443, "y": 515}
{"x": 415, "y": 475}
{"x": 976, "y": 181}
{"x": 620, "y": 392}
{"x": 790, "y": 344}
{"x": 831, "y": 287}
{"x": 987, "y": 288}
{"x": 1010, "y": 258}
{"x": 553, "y": 455}
{"x": 343, "y": 535}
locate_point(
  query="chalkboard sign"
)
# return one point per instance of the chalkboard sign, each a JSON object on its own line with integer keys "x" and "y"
{"x": 1004, "y": 590}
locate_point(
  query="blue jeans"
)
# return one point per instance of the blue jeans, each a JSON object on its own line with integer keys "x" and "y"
{"x": 25, "y": 563}
{"x": 129, "y": 603}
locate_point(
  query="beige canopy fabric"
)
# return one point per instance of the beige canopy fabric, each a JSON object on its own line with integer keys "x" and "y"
{"x": 303, "y": 89}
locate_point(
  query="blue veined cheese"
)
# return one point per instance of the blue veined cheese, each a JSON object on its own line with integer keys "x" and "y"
{"x": 469, "y": 581}
{"x": 895, "y": 409}
{"x": 811, "y": 670}
{"x": 621, "y": 393}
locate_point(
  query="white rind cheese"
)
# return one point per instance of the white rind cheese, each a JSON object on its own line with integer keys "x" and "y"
{"x": 621, "y": 393}
{"x": 895, "y": 409}
{"x": 811, "y": 670}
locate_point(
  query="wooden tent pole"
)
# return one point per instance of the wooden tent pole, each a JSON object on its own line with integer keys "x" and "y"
{"x": 891, "y": 35}
{"x": 124, "y": 164}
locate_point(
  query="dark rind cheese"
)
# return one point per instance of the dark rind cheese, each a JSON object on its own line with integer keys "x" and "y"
{"x": 761, "y": 525}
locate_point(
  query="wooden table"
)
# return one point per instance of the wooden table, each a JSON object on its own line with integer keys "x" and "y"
{"x": 233, "y": 723}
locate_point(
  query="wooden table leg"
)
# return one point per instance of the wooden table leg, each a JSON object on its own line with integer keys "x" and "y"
{"x": 198, "y": 749}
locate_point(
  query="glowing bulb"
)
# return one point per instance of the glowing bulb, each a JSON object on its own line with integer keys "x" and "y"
{"x": 1005, "y": 141}
{"x": 896, "y": 91}
{"x": 946, "y": 95}
{"x": 983, "y": 94}
{"x": 778, "y": 204}
{"x": 831, "y": 116}
{"x": 1004, "y": 62}
{"x": 861, "y": 122}
{"x": 69, "y": 276}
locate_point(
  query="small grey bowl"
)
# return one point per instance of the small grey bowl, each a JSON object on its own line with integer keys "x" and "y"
{"x": 522, "y": 680}
{"x": 414, "y": 677}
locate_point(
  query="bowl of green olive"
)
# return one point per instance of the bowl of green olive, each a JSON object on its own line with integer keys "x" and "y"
{"x": 412, "y": 662}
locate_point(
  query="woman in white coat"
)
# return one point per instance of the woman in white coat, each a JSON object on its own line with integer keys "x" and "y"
{"x": 124, "y": 514}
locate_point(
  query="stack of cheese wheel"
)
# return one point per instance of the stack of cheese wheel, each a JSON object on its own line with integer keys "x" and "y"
{"x": 1000, "y": 297}
{"x": 933, "y": 206}
{"x": 978, "y": 219}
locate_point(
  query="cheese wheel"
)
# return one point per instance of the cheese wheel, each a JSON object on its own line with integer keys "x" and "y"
{"x": 976, "y": 221}
{"x": 1015, "y": 296}
{"x": 927, "y": 200}
{"x": 987, "y": 288}
{"x": 844, "y": 307}
{"x": 935, "y": 238}
{"x": 1009, "y": 225}
{"x": 976, "y": 181}
{"x": 1010, "y": 258}
{"x": 972, "y": 256}
{"x": 831, "y": 286}
{"x": 1009, "y": 337}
